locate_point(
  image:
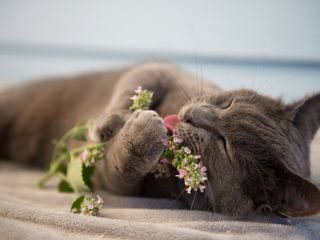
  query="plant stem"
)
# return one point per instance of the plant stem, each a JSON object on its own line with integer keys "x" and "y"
{"x": 82, "y": 148}
{"x": 52, "y": 170}
{"x": 62, "y": 176}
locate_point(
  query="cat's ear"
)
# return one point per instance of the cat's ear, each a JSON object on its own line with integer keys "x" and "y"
{"x": 305, "y": 114}
{"x": 296, "y": 196}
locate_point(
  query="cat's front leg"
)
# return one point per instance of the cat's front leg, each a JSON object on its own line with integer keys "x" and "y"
{"x": 133, "y": 152}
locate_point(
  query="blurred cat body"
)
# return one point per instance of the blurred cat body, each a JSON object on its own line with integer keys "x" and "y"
{"x": 255, "y": 148}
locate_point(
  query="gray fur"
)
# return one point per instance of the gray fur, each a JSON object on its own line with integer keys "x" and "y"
{"x": 256, "y": 149}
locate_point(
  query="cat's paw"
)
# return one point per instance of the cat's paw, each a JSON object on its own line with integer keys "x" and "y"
{"x": 107, "y": 125}
{"x": 142, "y": 135}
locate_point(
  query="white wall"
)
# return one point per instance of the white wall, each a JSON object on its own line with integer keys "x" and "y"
{"x": 272, "y": 46}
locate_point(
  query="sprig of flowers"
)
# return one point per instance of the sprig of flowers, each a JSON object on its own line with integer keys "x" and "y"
{"x": 75, "y": 166}
{"x": 87, "y": 205}
{"x": 189, "y": 167}
{"x": 142, "y": 99}
{"x": 89, "y": 156}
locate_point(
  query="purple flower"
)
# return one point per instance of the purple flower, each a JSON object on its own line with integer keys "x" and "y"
{"x": 164, "y": 142}
{"x": 84, "y": 156}
{"x": 163, "y": 161}
{"x": 182, "y": 173}
{"x": 134, "y": 97}
{"x": 203, "y": 169}
{"x": 190, "y": 167}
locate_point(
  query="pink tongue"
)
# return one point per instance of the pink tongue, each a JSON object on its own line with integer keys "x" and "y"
{"x": 170, "y": 122}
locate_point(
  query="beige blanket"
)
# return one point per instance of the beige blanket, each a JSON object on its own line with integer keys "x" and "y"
{"x": 27, "y": 212}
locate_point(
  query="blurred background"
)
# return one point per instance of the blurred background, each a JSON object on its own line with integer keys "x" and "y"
{"x": 272, "y": 46}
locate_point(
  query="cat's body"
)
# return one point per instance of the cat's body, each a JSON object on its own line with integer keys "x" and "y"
{"x": 255, "y": 149}
{"x": 35, "y": 113}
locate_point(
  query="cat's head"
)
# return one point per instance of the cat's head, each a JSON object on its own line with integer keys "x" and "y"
{"x": 256, "y": 150}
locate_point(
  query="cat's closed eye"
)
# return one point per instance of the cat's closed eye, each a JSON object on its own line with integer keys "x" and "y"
{"x": 226, "y": 104}
{"x": 223, "y": 103}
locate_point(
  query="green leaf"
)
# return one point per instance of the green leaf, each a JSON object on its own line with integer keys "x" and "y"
{"x": 60, "y": 148}
{"x": 56, "y": 166}
{"x": 62, "y": 168}
{"x": 64, "y": 186}
{"x": 61, "y": 157}
{"x": 76, "y": 205}
{"x": 75, "y": 176}
{"x": 78, "y": 133}
{"x": 87, "y": 174}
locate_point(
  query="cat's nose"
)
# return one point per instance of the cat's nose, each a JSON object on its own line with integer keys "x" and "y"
{"x": 199, "y": 115}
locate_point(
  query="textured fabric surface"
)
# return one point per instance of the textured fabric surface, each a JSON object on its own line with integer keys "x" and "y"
{"x": 27, "y": 212}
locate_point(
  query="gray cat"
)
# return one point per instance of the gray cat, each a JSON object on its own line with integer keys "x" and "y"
{"x": 255, "y": 148}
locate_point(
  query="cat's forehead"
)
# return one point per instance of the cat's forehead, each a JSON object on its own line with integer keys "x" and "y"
{"x": 243, "y": 96}
{"x": 240, "y": 94}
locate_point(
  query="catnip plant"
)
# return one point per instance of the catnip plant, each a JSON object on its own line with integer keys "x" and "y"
{"x": 189, "y": 167}
{"x": 75, "y": 166}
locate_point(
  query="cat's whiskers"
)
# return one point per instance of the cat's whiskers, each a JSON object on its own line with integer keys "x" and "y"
{"x": 194, "y": 198}
{"x": 177, "y": 198}
{"x": 254, "y": 83}
{"x": 195, "y": 83}
{"x": 209, "y": 189}
{"x": 258, "y": 168}
{"x": 201, "y": 79}
{"x": 276, "y": 83}
{"x": 198, "y": 64}
{"x": 184, "y": 93}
